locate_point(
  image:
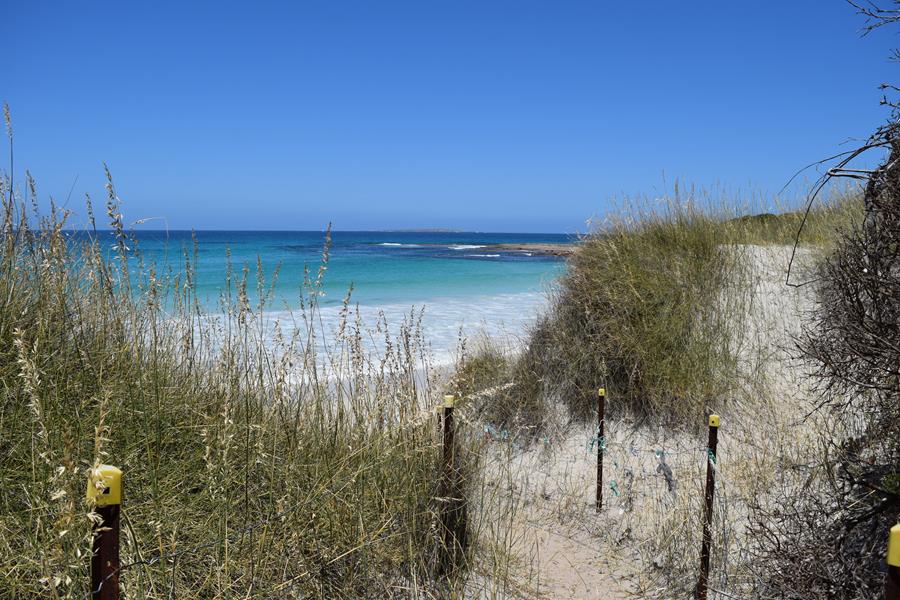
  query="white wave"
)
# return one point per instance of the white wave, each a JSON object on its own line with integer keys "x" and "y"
{"x": 398, "y": 245}
{"x": 465, "y": 247}
{"x": 504, "y": 317}
{"x": 486, "y": 255}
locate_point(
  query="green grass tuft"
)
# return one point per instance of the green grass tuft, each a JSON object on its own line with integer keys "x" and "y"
{"x": 651, "y": 305}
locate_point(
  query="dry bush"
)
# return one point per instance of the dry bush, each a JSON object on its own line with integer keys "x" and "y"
{"x": 826, "y": 539}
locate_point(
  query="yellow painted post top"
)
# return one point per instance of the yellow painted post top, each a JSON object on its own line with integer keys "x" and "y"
{"x": 713, "y": 420}
{"x": 893, "y": 553}
{"x": 601, "y": 392}
{"x": 449, "y": 401}
{"x": 105, "y": 485}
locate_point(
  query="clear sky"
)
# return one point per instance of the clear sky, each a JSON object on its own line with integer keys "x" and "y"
{"x": 485, "y": 115}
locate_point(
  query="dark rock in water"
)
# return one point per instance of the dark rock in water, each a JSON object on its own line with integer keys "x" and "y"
{"x": 539, "y": 249}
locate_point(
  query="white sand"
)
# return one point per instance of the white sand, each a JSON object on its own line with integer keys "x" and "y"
{"x": 646, "y": 539}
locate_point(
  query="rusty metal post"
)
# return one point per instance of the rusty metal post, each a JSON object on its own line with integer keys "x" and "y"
{"x": 892, "y": 577}
{"x": 601, "y": 443}
{"x": 104, "y": 491}
{"x": 453, "y": 510}
{"x": 711, "y": 458}
{"x": 449, "y": 403}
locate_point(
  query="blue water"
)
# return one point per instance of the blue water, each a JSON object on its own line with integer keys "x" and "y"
{"x": 382, "y": 267}
{"x": 462, "y": 285}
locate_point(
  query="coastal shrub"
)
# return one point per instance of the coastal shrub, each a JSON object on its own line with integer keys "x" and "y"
{"x": 842, "y": 511}
{"x": 252, "y": 467}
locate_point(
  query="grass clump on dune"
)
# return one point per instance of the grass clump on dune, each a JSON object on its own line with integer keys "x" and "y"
{"x": 490, "y": 377}
{"x": 251, "y": 466}
{"x": 651, "y": 308}
{"x": 637, "y": 313}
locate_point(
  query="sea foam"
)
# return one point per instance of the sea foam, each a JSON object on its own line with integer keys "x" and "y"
{"x": 502, "y": 317}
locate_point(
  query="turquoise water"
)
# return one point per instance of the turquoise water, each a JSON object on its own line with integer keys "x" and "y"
{"x": 463, "y": 285}
{"x": 382, "y": 267}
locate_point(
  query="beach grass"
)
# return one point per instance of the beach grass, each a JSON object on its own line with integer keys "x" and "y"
{"x": 257, "y": 466}
{"x": 678, "y": 312}
{"x": 646, "y": 309}
{"x": 253, "y": 467}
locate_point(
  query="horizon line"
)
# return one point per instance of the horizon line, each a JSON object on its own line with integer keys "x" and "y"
{"x": 322, "y": 231}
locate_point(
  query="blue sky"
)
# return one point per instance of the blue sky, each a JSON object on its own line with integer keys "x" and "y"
{"x": 493, "y": 116}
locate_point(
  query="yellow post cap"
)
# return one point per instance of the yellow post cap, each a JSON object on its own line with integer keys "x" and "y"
{"x": 713, "y": 420}
{"x": 449, "y": 401}
{"x": 105, "y": 485}
{"x": 893, "y": 553}
{"x": 601, "y": 392}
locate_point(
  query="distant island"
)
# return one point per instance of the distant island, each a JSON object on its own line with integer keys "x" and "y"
{"x": 426, "y": 230}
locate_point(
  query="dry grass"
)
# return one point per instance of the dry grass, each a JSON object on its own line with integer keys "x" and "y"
{"x": 252, "y": 467}
{"x": 646, "y": 541}
{"x": 645, "y": 309}
{"x": 678, "y": 313}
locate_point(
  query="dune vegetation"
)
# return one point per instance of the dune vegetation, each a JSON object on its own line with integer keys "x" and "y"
{"x": 255, "y": 467}
{"x": 646, "y": 309}
{"x": 251, "y": 467}
{"x": 677, "y": 312}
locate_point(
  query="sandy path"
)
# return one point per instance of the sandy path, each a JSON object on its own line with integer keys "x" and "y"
{"x": 546, "y": 492}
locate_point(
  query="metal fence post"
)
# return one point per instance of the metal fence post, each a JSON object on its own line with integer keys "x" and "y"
{"x": 601, "y": 443}
{"x": 104, "y": 490}
{"x": 449, "y": 403}
{"x": 892, "y": 577}
{"x": 711, "y": 459}
{"x": 453, "y": 509}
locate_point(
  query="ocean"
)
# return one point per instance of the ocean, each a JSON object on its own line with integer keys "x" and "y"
{"x": 458, "y": 278}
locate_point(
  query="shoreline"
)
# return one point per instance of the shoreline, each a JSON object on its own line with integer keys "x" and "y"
{"x": 436, "y": 323}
